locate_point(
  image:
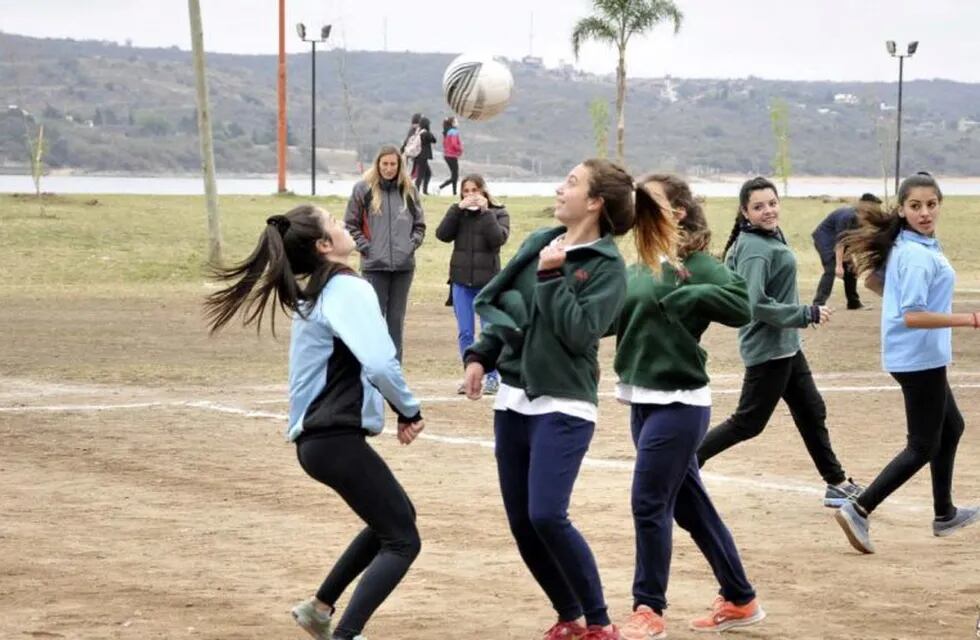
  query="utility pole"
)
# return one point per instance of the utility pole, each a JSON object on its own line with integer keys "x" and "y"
{"x": 282, "y": 134}
{"x": 204, "y": 133}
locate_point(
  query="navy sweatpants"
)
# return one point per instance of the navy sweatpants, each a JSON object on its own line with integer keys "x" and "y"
{"x": 666, "y": 487}
{"x": 538, "y": 459}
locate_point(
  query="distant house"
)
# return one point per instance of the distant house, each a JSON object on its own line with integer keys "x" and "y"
{"x": 966, "y": 125}
{"x": 533, "y": 62}
{"x": 846, "y": 98}
{"x": 885, "y": 107}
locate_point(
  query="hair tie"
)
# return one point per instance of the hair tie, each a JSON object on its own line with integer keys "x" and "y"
{"x": 280, "y": 222}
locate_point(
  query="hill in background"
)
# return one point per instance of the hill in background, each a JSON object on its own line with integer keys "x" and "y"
{"x": 113, "y": 108}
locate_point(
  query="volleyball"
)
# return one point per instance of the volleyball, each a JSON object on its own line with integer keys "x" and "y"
{"x": 477, "y": 87}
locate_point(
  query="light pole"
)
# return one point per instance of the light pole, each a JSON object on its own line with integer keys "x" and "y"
{"x": 913, "y": 46}
{"x": 324, "y": 34}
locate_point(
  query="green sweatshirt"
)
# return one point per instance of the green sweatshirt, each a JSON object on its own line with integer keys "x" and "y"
{"x": 769, "y": 268}
{"x": 543, "y": 329}
{"x": 659, "y": 330}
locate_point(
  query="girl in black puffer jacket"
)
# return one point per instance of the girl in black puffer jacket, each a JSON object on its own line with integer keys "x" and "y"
{"x": 477, "y": 227}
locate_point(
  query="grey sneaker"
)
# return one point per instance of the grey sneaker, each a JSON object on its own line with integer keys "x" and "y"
{"x": 835, "y": 497}
{"x": 855, "y": 527}
{"x": 461, "y": 389}
{"x": 491, "y": 385}
{"x": 965, "y": 516}
{"x": 312, "y": 621}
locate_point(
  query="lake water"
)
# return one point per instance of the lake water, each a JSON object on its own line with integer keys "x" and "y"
{"x": 799, "y": 187}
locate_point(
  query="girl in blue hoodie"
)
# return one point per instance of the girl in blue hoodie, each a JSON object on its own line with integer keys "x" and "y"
{"x": 342, "y": 367}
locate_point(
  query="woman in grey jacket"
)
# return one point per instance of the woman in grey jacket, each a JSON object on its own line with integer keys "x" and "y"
{"x": 385, "y": 218}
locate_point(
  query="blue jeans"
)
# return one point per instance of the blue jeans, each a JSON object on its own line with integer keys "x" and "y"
{"x": 538, "y": 459}
{"x": 463, "y": 297}
{"x": 667, "y": 487}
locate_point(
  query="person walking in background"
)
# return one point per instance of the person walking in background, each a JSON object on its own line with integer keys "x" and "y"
{"x": 545, "y": 313}
{"x": 423, "y": 171}
{"x": 452, "y": 150}
{"x": 826, "y": 241}
{"x": 477, "y": 226}
{"x": 670, "y": 301}
{"x": 411, "y": 140}
{"x": 342, "y": 368}
{"x": 916, "y": 349}
{"x": 775, "y": 366}
{"x": 385, "y": 218}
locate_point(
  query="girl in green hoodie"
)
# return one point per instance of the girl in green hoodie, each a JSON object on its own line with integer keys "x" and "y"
{"x": 775, "y": 366}
{"x": 544, "y": 314}
{"x": 661, "y": 367}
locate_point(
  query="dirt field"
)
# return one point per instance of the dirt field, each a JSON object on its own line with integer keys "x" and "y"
{"x": 148, "y": 492}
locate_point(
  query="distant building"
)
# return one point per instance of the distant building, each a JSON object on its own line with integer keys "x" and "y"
{"x": 885, "y": 107}
{"x": 846, "y": 98}
{"x": 533, "y": 62}
{"x": 966, "y": 125}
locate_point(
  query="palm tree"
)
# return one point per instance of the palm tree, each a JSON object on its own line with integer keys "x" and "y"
{"x": 615, "y": 22}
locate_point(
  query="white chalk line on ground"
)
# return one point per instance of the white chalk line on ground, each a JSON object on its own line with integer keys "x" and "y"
{"x": 775, "y": 484}
{"x": 722, "y": 392}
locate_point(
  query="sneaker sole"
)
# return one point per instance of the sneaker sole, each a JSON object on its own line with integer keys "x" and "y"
{"x": 756, "y": 618}
{"x": 951, "y": 530}
{"x": 835, "y": 503}
{"x": 845, "y": 524}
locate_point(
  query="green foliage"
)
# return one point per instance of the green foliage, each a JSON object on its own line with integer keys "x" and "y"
{"x": 599, "y": 110}
{"x": 782, "y": 165}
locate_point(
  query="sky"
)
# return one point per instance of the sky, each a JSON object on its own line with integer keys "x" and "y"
{"x": 841, "y": 40}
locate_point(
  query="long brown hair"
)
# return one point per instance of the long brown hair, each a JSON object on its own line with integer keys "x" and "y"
{"x": 869, "y": 245}
{"x": 285, "y": 252}
{"x": 693, "y": 232}
{"x": 373, "y": 178}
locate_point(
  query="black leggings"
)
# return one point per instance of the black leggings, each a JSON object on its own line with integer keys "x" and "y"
{"x": 389, "y": 544}
{"x": 423, "y": 173}
{"x": 934, "y": 429}
{"x": 453, "y": 178}
{"x": 762, "y": 387}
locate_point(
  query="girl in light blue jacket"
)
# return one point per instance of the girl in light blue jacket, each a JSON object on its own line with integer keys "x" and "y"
{"x": 342, "y": 367}
{"x": 916, "y": 348}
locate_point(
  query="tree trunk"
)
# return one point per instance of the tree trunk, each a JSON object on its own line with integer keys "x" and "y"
{"x": 204, "y": 133}
{"x": 620, "y": 105}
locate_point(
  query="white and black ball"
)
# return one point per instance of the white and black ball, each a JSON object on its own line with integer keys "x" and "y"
{"x": 477, "y": 87}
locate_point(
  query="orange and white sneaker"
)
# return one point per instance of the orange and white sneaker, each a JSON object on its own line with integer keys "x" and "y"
{"x": 644, "y": 624}
{"x": 565, "y": 631}
{"x": 728, "y": 615}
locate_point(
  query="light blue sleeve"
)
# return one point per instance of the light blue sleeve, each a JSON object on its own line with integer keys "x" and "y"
{"x": 915, "y": 275}
{"x": 350, "y": 306}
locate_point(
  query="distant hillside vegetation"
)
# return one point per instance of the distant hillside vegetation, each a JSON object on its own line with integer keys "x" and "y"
{"x": 109, "y": 108}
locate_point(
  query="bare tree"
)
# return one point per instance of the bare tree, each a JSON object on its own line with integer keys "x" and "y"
{"x": 779, "y": 114}
{"x": 204, "y": 133}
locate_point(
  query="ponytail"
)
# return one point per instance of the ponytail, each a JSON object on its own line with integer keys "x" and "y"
{"x": 285, "y": 250}
{"x": 733, "y": 236}
{"x": 655, "y": 233}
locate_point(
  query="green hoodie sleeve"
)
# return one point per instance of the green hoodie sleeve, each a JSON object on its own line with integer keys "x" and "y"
{"x": 764, "y": 308}
{"x": 486, "y": 350}
{"x": 580, "y": 318}
{"x": 723, "y": 298}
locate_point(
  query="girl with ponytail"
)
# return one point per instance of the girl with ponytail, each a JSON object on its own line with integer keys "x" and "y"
{"x": 672, "y": 294}
{"x": 775, "y": 366}
{"x": 342, "y": 367}
{"x": 916, "y": 348}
